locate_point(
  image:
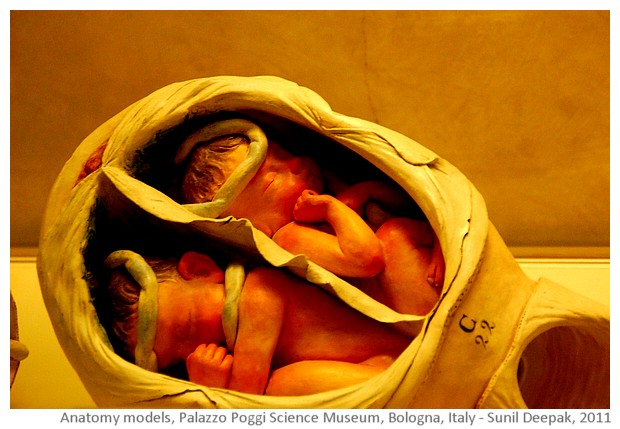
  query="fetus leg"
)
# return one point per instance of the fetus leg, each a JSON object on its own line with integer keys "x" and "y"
{"x": 409, "y": 261}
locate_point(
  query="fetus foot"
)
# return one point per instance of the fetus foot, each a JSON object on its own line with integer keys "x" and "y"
{"x": 436, "y": 268}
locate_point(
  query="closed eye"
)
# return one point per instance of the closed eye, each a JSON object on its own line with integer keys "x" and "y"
{"x": 268, "y": 180}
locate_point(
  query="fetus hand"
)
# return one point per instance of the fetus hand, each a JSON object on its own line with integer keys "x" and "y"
{"x": 210, "y": 365}
{"x": 338, "y": 239}
{"x": 312, "y": 207}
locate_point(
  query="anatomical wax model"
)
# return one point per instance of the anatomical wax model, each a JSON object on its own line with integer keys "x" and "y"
{"x": 469, "y": 329}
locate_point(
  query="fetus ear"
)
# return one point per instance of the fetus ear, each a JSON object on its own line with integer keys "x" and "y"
{"x": 193, "y": 264}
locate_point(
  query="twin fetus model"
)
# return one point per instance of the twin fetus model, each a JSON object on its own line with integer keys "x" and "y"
{"x": 359, "y": 308}
{"x": 292, "y": 338}
{"x": 396, "y": 260}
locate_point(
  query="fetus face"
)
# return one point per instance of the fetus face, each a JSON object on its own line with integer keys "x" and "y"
{"x": 270, "y": 196}
{"x": 189, "y": 309}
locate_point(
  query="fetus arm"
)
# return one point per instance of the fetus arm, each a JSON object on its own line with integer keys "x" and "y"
{"x": 261, "y": 316}
{"x": 352, "y": 250}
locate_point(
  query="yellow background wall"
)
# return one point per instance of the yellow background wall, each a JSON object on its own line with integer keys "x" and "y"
{"x": 517, "y": 100}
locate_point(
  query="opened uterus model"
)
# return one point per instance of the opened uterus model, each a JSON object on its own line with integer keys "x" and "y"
{"x": 494, "y": 339}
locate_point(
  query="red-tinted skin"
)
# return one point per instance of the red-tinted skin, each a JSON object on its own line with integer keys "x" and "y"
{"x": 293, "y": 338}
{"x": 398, "y": 261}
